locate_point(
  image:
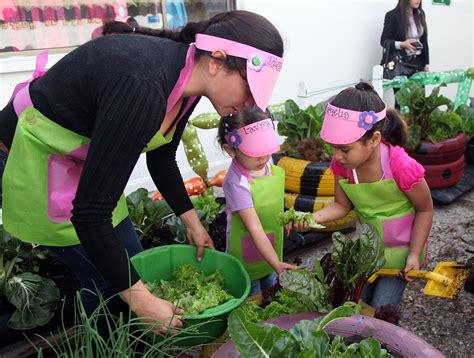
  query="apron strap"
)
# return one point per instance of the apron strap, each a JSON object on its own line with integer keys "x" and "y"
{"x": 384, "y": 161}
{"x": 21, "y": 94}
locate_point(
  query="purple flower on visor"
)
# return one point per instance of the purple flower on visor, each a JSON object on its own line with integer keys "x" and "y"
{"x": 367, "y": 120}
{"x": 234, "y": 139}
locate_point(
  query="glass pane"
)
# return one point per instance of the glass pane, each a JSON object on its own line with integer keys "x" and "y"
{"x": 201, "y": 10}
{"x": 42, "y": 24}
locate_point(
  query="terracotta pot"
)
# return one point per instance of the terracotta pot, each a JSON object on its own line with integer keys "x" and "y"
{"x": 396, "y": 340}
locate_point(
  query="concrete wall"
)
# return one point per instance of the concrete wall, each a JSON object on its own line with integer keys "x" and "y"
{"x": 328, "y": 43}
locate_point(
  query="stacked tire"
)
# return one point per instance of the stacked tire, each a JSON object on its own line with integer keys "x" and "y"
{"x": 443, "y": 161}
{"x": 309, "y": 186}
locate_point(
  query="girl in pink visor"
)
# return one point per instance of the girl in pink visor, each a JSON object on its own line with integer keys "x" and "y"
{"x": 254, "y": 191}
{"x": 376, "y": 177}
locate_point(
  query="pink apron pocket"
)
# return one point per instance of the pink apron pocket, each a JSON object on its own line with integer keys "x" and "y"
{"x": 250, "y": 252}
{"x": 63, "y": 178}
{"x": 397, "y": 231}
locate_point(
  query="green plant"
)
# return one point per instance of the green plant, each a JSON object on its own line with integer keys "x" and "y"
{"x": 306, "y": 339}
{"x": 425, "y": 120}
{"x": 104, "y": 334}
{"x": 467, "y": 115}
{"x": 34, "y": 297}
{"x": 207, "y": 209}
{"x": 191, "y": 290}
{"x": 335, "y": 279}
{"x": 301, "y": 128}
{"x": 298, "y": 217}
{"x": 146, "y": 213}
{"x": 355, "y": 260}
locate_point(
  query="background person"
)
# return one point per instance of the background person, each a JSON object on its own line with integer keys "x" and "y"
{"x": 405, "y": 28}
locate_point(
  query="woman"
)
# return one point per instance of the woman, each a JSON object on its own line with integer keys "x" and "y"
{"x": 76, "y": 133}
{"x": 405, "y": 28}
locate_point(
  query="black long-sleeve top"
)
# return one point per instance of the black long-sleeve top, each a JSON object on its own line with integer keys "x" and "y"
{"x": 114, "y": 91}
{"x": 393, "y": 30}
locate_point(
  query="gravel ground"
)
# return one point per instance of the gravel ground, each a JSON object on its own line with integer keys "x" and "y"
{"x": 446, "y": 324}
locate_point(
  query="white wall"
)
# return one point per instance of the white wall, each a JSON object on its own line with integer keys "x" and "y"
{"x": 328, "y": 43}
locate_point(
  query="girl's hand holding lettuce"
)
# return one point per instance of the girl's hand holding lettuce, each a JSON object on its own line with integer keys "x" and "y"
{"x": 302, "y": 221}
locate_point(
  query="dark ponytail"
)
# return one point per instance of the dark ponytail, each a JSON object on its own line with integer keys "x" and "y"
{"x": 362, "y": 98}
{"x": 241, "y": 26}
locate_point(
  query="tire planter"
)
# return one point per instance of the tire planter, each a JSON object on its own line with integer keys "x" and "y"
{"x": 310, "y": 203}
{"x": 396, "y": 340}
{"x": 443, "y": 161}
{"x": 305, "y": 177}
{"x": 443, "y": 152}
{"x": 444, "y": 175}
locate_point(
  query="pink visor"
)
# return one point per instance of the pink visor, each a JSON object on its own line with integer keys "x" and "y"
{"x": 343, "y": 126}
{"x": 255, "y": 140}
{"x": 263, "y": 68}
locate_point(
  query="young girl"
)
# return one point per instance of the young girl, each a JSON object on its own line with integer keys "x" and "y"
{"x": 254, "y": 191}
{"x": 376, "y": 177}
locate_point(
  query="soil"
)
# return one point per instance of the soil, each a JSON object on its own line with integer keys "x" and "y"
{"x": 446, "y": 324}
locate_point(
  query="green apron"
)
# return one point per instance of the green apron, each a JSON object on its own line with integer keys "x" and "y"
{"x": 41, "y": 177}
{"x": 385, "y": 207}
{"x": 45, "y": 163}
{"x": 268, "y": 199}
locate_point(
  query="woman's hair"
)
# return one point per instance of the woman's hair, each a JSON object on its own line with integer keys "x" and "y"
{"x": 245, "y": 117}
{"x": 240, "y": 26}
{"x": 403, "y": 7}
{"x": 362, "y": 98}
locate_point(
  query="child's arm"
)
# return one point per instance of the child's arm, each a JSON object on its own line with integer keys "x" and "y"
{"x": 420, "y": 197}
{"x": 251, "y": 221}
{"x": 336, "y": 210}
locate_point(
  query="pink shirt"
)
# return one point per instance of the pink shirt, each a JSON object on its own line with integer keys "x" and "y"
{"x": 406, "y": 171}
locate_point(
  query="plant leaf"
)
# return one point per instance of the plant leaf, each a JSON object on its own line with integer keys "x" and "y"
{"x": 34, "y": 298}
{"x": 256, "y": 341}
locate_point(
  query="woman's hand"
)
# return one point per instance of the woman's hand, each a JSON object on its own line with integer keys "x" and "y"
{"x": 426, "y": 69}
{"x": 412, "y": 263}
{"x": 283, "y": 266}
{"x": 196, "y": 233}
{"x": 156, "y": 313}
{"x": 408, "y": 44}
{"x": 198, "y": 236}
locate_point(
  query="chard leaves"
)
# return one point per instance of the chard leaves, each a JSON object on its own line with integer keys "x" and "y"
{"x": 306, "y": 339}
{"x": 252, "y": 340}
{"x": 357, "y": 259}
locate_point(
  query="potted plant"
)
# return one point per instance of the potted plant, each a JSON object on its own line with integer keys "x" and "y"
{"x": 340, "y": 333}
{"x": 436, "y": 136}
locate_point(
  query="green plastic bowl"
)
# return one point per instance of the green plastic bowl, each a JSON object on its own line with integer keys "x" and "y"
{"x": 159, "y": 263}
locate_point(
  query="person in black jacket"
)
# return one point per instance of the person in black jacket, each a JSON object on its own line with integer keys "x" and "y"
{"x": 75, "y": 133}
{"x": 405, "y": 28}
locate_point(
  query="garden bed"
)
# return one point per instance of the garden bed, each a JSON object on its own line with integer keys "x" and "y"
{"x": 446, "y": 324}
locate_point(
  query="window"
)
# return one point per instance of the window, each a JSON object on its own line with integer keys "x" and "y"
{"x": 47, "y": 24}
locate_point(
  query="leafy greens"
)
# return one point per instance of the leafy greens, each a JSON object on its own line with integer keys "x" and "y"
{"x": 191, "y": 290}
